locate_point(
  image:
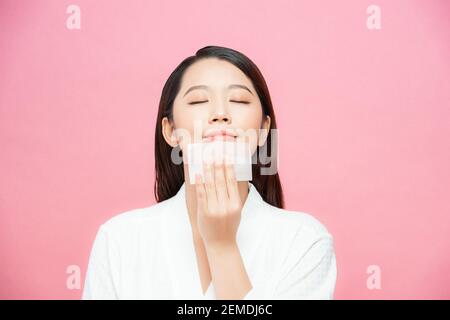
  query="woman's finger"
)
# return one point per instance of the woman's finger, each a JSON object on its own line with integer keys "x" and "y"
{"x": 221, "y": 186}
{"x": 201, "y": 193}
{"x": 210, "y": 188}
{"x": 231, "y": 182}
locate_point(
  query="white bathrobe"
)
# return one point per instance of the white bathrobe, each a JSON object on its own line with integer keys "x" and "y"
{"x": 148, "y": 253}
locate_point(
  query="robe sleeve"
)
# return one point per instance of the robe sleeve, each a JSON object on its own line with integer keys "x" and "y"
{"x": 99, "y": 282}
{"x": 308, "y": 272}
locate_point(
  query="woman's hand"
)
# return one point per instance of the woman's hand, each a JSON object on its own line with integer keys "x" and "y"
{"x": 218, "y": 204}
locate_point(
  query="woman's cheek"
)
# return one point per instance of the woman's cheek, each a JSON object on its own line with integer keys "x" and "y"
{"x": 249, "y": 136}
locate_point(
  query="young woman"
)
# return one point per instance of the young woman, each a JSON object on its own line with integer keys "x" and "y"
{"x": 218, "y": 238}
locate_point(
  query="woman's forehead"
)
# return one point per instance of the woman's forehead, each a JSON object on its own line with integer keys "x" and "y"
{"x": 214, "y": 73}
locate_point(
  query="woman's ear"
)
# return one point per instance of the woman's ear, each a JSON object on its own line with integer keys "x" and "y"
{"x": 168, "y": 132}
{"x": 264, "y": 131}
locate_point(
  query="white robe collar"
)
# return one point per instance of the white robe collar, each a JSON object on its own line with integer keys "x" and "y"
{"x": 179, "y": 246}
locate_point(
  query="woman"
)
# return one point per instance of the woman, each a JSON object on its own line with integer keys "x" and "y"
{"x": 218, "y": 238}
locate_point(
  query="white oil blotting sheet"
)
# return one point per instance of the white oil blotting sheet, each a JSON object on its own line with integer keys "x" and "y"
{"x": 237, "y": 152}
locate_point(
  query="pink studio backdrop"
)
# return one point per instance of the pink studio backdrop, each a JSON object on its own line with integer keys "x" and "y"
{"x": 363, "y": 118}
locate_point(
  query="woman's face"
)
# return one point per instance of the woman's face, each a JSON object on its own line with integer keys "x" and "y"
{"x": 214, "y": 94}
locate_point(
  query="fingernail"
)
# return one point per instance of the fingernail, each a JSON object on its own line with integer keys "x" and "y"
{"x": 227, "y": 159}
{"x": 207, "y": 161}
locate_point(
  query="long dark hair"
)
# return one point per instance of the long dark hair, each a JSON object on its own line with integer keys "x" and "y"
{"x": 169, "y": 176}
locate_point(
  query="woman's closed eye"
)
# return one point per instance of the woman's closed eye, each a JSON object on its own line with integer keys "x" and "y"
{"x": 197, "y": 102}
{"x": 245, "y": 102}
{"x": 235, "y": 101}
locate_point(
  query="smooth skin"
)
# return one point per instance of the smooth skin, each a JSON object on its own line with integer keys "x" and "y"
{"x": 215, "y": 205}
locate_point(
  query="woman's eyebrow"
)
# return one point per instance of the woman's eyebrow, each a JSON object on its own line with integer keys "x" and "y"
{"x": 231, "y": 86}
{"x": 239, "y": 86}
{"x": 194, "y": 88}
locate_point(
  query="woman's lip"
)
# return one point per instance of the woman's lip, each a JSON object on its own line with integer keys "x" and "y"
{"x": 219, "y": 137}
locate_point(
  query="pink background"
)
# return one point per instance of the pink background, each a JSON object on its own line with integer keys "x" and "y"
{"x": 363, "y": 117}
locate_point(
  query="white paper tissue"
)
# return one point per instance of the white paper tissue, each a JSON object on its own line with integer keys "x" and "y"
{"x": 238, "y": 152}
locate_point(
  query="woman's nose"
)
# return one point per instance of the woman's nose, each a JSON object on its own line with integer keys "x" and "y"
{"x": 220, "y": 115}
{"x": 220, "y": 118}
